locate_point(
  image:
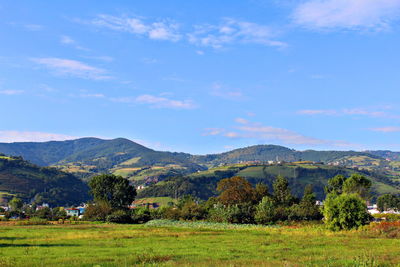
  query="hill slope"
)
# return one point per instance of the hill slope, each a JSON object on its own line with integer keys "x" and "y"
{"x": 87, "y": 156}
{"x": 275, "y": 153}
{"x": 23, "y": 179}
{"x": 203, "y": 184}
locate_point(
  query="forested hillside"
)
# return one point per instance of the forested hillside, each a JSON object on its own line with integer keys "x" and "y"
{"x": 203, "y": 184}
{"x": 39, "y": 184}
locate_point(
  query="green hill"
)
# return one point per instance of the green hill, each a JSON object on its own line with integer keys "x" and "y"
{"x": 203, "y": 184}
{"x": 87, "y": 156}
{"x": 44, "y": 184}
{"x": 265, "y": 153}
{"x": 143, "y": 166}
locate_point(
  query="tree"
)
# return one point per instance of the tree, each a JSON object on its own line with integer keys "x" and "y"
{"x": 335, "y": 185}
{"x": 307, "y": 209}
{"x": 282, "y": 194}
{"x": 15, "y": 204}
{"x": 235, "y": 190}
{"x": 261, "y": 191}
{"x": 388, "y": 201}
{"x": 266, "y": 211}
{"x": 357, "y": 184}
{"x": 97, "y": 211}
{"x": 345, "y": 211}
{"x": 112, "y": 189}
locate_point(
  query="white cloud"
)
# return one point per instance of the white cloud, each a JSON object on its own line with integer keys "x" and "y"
{"x": 349, "y": 112}
{"x": 162, "y": 102}
{"x": 68, "y": 67}
{"x": 66, "y": 40}
{"x": 213, "y": 131}
{"x": 159, "y": 30}
{"x": 317, "y": 112}
{"x": 347, "y": 14}
{"x": 33, "y": 27}
{"x": 21, "y": 136}
{"x": 11, "y": 92}
{"x": 241, "y": 121}
{"x": 92, "y": 95}
{"x": 157, "y": 102}
{"x": 223, "y": 91}
{"x": 259, "y": 132}
{"x": 229, "y": 31}
{"x": 389, "y": 129}
{"x": 233, "y": 31}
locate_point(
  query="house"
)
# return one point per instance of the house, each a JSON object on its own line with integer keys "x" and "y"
{"x": 73, "y": 212}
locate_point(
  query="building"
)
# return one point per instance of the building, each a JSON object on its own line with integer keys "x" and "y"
{"x": 73, "y": 212}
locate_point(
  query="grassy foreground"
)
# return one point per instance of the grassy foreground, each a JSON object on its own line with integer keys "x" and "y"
{"x": 185, "y": 244}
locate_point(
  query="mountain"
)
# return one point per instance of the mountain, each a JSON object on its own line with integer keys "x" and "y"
{"x": 143, "y": 166}
{"x": 203, "y": 184}
{"x": 44, "y": 184}
{"x": 87, "y": 156}
{"x": 386, "y": 154}
{"x": 275, "y": 153}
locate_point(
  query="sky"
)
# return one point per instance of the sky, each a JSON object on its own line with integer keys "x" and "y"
{"x": 203, "y": 76}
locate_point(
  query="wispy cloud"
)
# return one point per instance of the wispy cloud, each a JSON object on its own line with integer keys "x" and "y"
{"x": 349, "y": 112}
{"x": 21, "y": 136}
{"x": 231, "y": 31}
{"x": 157, "y": 102}
{"x": 256, "y": 131}
{"x": 388, "y": 129}
{"x": 33, "y": 27}
{"x": 74, "y": 68}
{"x": 156, "y": 30}
{"x": 11, "y": 92}
{"x": 213, "y": 131}
{"x": 347, "y": 14}
{"x": 67, "y": 40}
{"x": 92, "y": 95}
{"x": 223, "y": 91}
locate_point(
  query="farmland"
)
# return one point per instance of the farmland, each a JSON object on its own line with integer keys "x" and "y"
{"x": 169, "y": 243}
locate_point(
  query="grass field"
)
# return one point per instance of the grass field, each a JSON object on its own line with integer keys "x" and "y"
{"x": 163, "y": 243}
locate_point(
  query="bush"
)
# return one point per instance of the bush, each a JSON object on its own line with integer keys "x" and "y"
{"x": 346, "y": 211}
{"x": 141, "y": 215}
{"x": 119, "y": 216}
{"x": 33, "y": 221}
{"x": 98, "y": 211}
{"x": 265, "y": 211}
{"x": 243, "y": 213}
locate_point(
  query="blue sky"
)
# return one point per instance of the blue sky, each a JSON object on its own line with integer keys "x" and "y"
{"x": 203, "y": 76}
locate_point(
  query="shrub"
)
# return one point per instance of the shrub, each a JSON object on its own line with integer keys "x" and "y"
{"x": 346, "y": 211}
{"x": 98, "y": 211}
{"x": 243, "y": 213}
{"x": 33, "y": 221}
{"x": 119, "y": 216}
{"x": 265, "y": 211}
{"x": 388, "y": 229}
{"x": 141, "y": 215}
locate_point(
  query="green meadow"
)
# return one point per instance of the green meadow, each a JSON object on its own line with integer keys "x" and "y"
{"x": 166, "y": 243}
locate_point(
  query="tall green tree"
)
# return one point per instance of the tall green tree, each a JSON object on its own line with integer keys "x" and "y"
{"x": 15, "y": 204}
{"x": 307, "y": 209}
{"x": 115, "y": 190}
{"x": 282, "y": 194}
{"x": 335, "y": 185}
{"x": 388, "y": 201}
{"x": 261, "y": 191}
{"x": 357, "y": 184}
